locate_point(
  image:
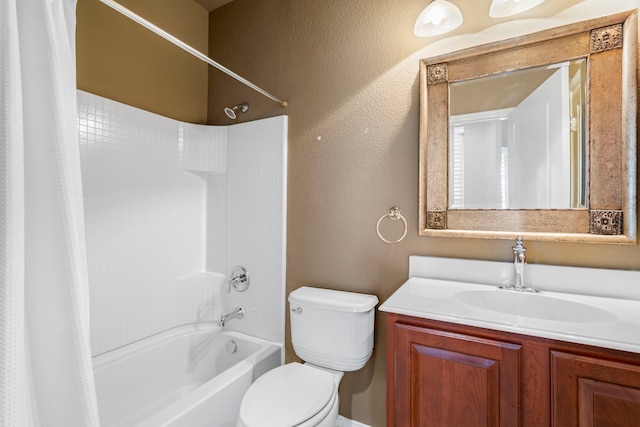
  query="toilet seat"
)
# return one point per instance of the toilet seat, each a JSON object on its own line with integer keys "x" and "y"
{"x": 288, "y": 396}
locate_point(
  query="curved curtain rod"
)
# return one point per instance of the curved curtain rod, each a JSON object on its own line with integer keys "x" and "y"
{"x": 140, "y": 20}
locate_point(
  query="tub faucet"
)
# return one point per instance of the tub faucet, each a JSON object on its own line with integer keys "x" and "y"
{"x": 519, "y": 261}
{"x": 238, "y": 313}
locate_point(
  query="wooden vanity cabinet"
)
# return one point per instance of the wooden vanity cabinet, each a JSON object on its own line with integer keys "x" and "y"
{"x": 481, "y": 375}
{"x": 443, "y": 375}
{"x": 605, "y": 392}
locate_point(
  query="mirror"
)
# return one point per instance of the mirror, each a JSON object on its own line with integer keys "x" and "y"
{"x": 517, "y": 139}
{"x": 533, "y": 136}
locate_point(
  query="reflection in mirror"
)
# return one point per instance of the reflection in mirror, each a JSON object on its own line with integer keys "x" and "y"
{"x": 517, "y": 140}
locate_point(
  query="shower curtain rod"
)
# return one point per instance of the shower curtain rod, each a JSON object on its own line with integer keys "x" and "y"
{"x": 159, "y": 31}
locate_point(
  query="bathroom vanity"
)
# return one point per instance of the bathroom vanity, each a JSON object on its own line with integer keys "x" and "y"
{"x": 461, "y": 352}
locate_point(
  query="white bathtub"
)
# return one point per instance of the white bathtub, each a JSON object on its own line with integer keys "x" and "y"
{"x": 188, "y": 376}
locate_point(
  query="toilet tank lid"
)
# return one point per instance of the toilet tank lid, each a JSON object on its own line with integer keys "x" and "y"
{"x": 330, "y": 299}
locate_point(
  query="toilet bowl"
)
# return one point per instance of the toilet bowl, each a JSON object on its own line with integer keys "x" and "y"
{"x": 292, "y": 395}
{"x": 332, "y": 331}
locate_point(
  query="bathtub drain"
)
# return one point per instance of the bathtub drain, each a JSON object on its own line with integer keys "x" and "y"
{"x": 232, "y": 346}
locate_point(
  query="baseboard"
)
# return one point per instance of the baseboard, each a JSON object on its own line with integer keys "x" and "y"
{"x": 346, "y": 422}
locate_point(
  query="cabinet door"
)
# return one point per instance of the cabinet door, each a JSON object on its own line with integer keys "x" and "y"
{"x": 590, "y": 392}
{"x": 444, "y": 379}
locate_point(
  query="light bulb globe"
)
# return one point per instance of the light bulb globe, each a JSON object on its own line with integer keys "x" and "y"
{"x": 439, "y": 17}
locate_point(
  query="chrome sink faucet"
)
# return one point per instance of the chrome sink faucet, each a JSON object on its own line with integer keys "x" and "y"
{"x": 238, "y": 313}
{"x": 519, "y": 261}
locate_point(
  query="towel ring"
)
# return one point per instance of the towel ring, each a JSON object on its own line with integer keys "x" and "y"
{"x": 394, "y": 214}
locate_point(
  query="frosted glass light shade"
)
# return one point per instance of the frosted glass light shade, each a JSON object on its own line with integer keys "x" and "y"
{"x": 439, "y": 17}
{"x": 502, "y": 8}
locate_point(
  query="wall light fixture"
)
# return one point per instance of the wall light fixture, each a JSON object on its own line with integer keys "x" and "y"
{"x": 442, "y": 16}
{"x": 439, "y": 17}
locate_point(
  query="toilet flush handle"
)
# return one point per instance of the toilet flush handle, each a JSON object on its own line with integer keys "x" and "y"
{"x": 297, "y": 310}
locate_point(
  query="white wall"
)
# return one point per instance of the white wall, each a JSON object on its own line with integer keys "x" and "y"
{"x": 539, "y": 162}
{"x": 256, "y": 226}
{"x": 482, "y": 178}
{"x": 156, "y": 205}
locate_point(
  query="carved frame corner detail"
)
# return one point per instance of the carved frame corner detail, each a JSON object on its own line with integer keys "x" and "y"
{"x": 437, "y": 73}
{"x": 606, "y": 38}
{"x": 605, "y": 222}
{"x": 437, "y": 220}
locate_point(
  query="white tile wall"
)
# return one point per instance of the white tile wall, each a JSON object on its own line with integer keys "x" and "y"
{"x": 256, "y": 223}
{"x": 153, "y": 227}
{"x": 204, "y": 147}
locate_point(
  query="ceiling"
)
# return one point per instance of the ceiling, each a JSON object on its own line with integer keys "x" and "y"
{"x": 212, "y": 4}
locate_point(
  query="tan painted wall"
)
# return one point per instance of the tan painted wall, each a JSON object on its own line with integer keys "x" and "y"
{"x": 349, "y": 69}
{"x": 120, "y": 60}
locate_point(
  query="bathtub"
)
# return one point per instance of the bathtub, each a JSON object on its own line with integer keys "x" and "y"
{"x": 192, "y": 376}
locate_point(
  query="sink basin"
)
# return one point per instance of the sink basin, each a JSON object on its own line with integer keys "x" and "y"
{"x": 537, "y": 306}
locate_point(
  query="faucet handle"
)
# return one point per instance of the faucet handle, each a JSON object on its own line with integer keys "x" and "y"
{"x": 519, "y": 247}
{"x": 239, "y": 279}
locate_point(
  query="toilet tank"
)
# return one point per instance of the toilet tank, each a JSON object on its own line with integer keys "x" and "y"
{"x": 332, "y": 329}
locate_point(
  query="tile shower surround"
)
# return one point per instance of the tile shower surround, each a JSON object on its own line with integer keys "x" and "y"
{"x": 170, "y": 207}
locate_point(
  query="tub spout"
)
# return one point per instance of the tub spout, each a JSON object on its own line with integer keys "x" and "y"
{"x": 238, "y": 313}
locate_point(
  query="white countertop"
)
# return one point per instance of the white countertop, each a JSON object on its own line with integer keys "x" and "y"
{"x": 439, "y": 299}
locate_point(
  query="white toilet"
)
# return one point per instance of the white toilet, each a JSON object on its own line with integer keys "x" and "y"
{"x": 332, "y": 331}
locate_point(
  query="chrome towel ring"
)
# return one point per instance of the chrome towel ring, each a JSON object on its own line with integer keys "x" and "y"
{"x": 394, "y": 214}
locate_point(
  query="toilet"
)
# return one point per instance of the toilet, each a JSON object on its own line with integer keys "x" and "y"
{"x": 332, "y": 331}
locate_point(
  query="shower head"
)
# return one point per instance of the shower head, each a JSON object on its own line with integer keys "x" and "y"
{"x": 231, "y": 111}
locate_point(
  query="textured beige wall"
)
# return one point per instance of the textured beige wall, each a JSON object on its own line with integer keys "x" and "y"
{"x": 349, "y": 69}
{"x": 120, "y": 60}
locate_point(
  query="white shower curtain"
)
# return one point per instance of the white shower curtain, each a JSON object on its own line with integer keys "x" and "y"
{"x": 46, "y": 377}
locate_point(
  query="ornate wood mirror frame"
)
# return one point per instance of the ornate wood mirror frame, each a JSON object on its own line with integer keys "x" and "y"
{"x": 610, "y": 45}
